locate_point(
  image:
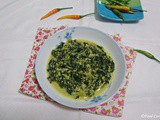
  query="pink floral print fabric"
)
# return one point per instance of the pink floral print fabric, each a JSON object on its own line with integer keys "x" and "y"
{"x": 30, "y": 86}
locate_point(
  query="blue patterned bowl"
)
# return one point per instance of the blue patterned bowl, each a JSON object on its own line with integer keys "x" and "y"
{"x": 88, "y": 34}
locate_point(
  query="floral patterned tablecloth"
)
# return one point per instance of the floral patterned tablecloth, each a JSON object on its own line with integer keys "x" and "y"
{"x": 30, "y": 86}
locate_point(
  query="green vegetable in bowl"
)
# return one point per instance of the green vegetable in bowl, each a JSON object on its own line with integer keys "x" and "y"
{"x": 80, "y": 67}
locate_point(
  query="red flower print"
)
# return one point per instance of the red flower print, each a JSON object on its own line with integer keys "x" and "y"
{"x": 45, "y": 37}
{"x": 38, "y": 88}
{"x": 38, "y": 40}
{"x": 127, "y": 57}
{"x": 26, "y": 72}
{"x": 36, "y": 37}
{"x": 128, "y": 66}
{"x": 62, "y": 27}
{"x": 131, "y": 51}
{"x": 116, "y": 96}
{"x": 103, "y": 111}
{"x": 93, "y": 109}
{"x": 47, "y": 31}
{"x": 22, "y": 90}
{"x": 123, "y": 91}
{"x": 103, "y": 104}
{"x": 35, "y": 81}
{"x": 30, "y": 65}
{"x": 115, "y": 110}
{"x": 34, "y": 56}
{"x": 37, "y": 48}
{"x": 27, "y": 76}
{"x": 41, "y": 44}
{"x": 31, "y": 88}
{"x": 34, "y": 91}
{"x": 120, "y": 115}
{"x": 40, "y": 33}
{"x": 54, "y": 28}
{"x": 36, "y": 96}
{"x": 30, "y": 60}
{"x": 121, "y": 103}
{"x": 116, "y": 39}
{"x": 27, "y": 80}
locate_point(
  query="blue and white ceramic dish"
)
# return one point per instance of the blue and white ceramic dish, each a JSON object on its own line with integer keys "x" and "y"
{"x": 88, "y": 34}
{"x": 108, "y": 14}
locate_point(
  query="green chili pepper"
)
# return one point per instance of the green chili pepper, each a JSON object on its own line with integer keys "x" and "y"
{"x": 118, "y": 13}
{"x": 117, "y": 2}
{"x": 147, "y": 54}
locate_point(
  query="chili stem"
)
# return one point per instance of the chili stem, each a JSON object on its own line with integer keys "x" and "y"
{"x": 134, "y": 9}
{"x": 65, "y": 8}
{"x": 157, "y": 60}
{"x": 86, "y": 15}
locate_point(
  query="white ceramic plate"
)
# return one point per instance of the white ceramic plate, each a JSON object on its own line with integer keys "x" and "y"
{"x": 88, "y": 34}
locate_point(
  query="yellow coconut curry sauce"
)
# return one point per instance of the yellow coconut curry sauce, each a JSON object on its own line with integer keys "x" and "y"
{"x": 80, "y": 69}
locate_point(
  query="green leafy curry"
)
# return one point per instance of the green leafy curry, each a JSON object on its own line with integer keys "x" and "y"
{"x": 80, "y": 67}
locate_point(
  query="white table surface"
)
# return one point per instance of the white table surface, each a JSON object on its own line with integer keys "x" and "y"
{"x": 19, "y": 20}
